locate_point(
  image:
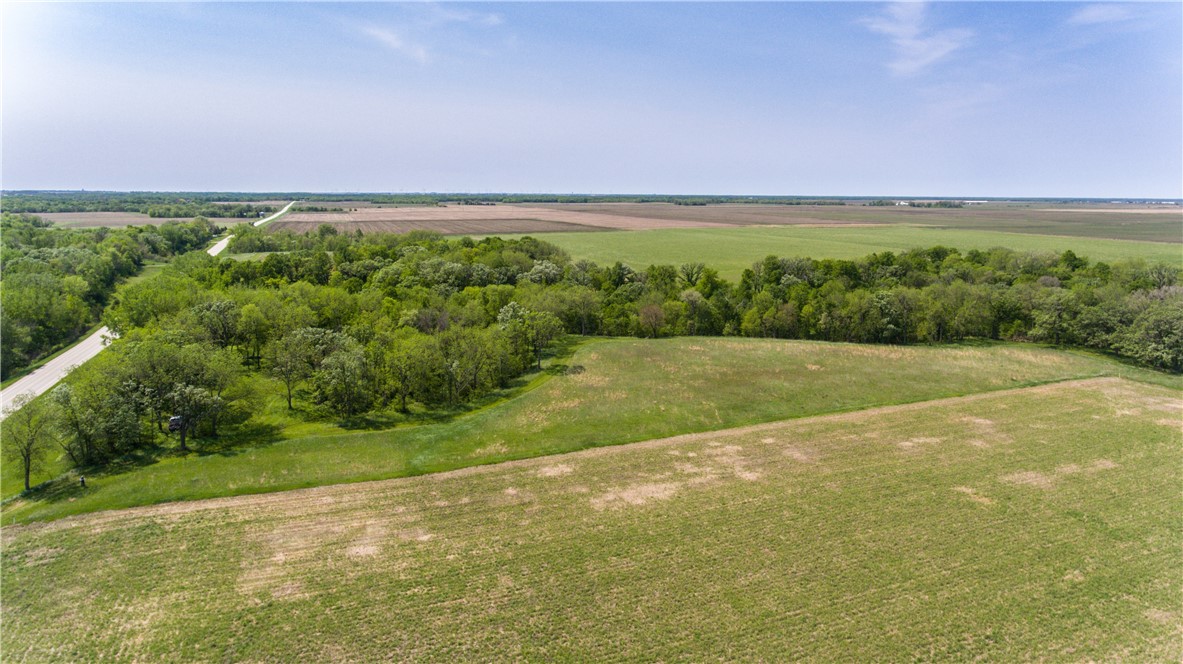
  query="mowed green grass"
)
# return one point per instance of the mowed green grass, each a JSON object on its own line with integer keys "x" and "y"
{"x": 731, "y": 250}
{"x": 1039, "y": 524}
{"x": 631, "y": 390}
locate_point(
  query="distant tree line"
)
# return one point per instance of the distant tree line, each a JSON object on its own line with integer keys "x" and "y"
{"x": 215, "y": 204}
{"x": 153, "y": 204}
{"x": 936, "y": 204}
{"x": 882, "y": 202}
{"x": 54, "y": 282}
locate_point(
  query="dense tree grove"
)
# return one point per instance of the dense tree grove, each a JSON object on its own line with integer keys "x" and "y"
{"x": 343, "y": 326}
{"x": 57, "y": 281}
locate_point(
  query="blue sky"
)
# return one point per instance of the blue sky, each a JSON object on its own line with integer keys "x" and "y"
{"x": 815, "y": 98}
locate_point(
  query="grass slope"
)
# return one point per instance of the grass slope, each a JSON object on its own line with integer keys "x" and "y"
{"x": 731, "y": 250}
{"x": 631, "y": 390}
{"x": 1034, "y": 524}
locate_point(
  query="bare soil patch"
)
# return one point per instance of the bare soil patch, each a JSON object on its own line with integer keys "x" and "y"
{"x": 112, "y": 219}
{"x": 477, "y": 220}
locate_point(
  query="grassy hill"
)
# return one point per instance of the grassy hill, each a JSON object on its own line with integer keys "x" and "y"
{"x": 629, "y": 390}
{"x": 1031, "y": 524}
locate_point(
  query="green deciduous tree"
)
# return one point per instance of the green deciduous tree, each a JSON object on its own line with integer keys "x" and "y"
{"x": 28, "y": 433}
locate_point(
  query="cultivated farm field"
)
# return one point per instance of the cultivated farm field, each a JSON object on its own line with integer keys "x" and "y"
{"x": 1145, "y": 223}
{"x": 1119, "y": 222}
{"x": 732, "y": 250}
{"x": 476, "y": 220}
{"x": 1039, "y": 523}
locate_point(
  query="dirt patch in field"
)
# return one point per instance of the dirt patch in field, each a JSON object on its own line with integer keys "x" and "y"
{"x": 917, "y": 441}
{"x": 638, "y": 494}
{"x": 973, "y": 495}
{"x": 557, "y": 470}
{"x": 1031, "y": 478}
{"x": 987, "y": 432}
{"x": 1159, "y": 616}
{"x": 798, "y": 454}
{"x": 730, "y": 459}
{"x": 369, "y": 544}
{"x": 1048, "y": 480}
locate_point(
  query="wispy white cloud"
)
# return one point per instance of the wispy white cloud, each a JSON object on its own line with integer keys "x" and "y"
{"x": 398, "y": 43}
{"x": 1099, "y": 14}
{"x": 417, "y": 33}
{"x": 916, "y": 46}
{"x": 434, "y": 14}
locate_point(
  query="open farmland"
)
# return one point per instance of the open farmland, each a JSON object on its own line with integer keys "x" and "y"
{"x": 111, "y": 219}
{"x": 630, "y": 390}
{"x": 1150, "y": 223}
{"x": 1145, "y": 223}
{"x": 731, "y": 250}
{"x": 476, "y": 220}
{"x": 1031, "y": 524}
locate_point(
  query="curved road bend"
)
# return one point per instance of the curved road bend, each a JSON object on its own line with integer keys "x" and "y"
{"x": 56, "y": 369}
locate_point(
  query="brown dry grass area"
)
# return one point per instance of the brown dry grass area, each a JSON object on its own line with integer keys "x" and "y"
{"x": 1101, "y": 222}
{"x": 480, "y": 219}
{"x": 1172, "y": 209}
{"x": 309, "y": 221}
{"x": 1156, "y": 224}
{"x": 112, "y": 219}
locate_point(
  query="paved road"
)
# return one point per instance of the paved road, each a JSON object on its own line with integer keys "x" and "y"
{"x": 51, "y": 372}
{"x": 221, "y": 244}
{"x": 277, "y": 215}
{"x": 56, "y": 369}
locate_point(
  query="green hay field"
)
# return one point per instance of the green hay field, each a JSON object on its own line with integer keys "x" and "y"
{"x": 1038, "y": 524}
{"x": 731, "y": 250}
{"x": 630, "y": 390}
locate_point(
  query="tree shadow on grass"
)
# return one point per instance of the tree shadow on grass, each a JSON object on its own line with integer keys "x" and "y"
{"x": 65, "y": 487}
{"x": 555, "y": 365}
{"x": 243, "y": 438}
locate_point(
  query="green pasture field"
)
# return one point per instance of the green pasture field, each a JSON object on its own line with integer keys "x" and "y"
{"x": 1037, "y": 524}
{"x": 630, "y": 390}
{"x": 731, "y": 250}
{"x": 1122, "y": 222}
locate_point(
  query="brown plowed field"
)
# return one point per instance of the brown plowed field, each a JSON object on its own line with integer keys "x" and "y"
{"x": 112, "y": 219}
{"x": 1165, "y": 225}
{"x": 1158, "y": 224}
{"x": 479, "y": 219}
{"x": 311, "y": 221}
